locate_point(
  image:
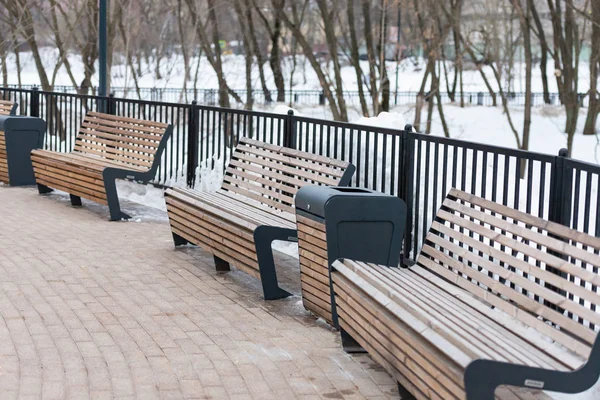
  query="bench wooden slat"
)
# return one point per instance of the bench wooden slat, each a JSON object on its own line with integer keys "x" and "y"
{"x": 135, "y": 121}
{"x": 549, "y": 259}
{"x": 441, "y": 319}
{"x": 118, "y": 131}
{"x": 296, "y": 153}
{"x": 512, "y": 277}
{"x": 288, "y": 180}
{"x": 519, "y": 349}
{"x": 117, "y": 135}
{"x": 504, "y": 319}
{"x": 258, "y": 189}
{"x": 394, "y": 334}
{"x": 535, "y": 237}
{"x": 551, "y": 227}
{"x": 283, "y": 215}
{"x": 207, "y": 208}
{"x": 462, "y": 355}
{"x": 523, "y": 266}
{"x": 242, "y": 189}
{"x": 84, "y": 145}
{"x": 255, "y": 215}
{"x": 283, "y": 169}
{"x": 6, "y": 107}
{"x": 267, "y": 158}
{"x": 491, "y": 334}
{"x": 108, "y": 139}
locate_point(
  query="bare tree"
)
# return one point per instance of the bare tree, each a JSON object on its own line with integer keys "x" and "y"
{"x": 594, "y": 107}
{"x": 568, "y": 36}
{"x": 274, "y": 29}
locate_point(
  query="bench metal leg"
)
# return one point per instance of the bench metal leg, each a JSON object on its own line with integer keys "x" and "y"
{"x": 404, "y": 393}
{"x": 349, "y": 344}
{"x": 43, "y": 189}
{"x": 178, "y": 240}
{"x": 482, "y": 377}
{"x": 221, "y": 265}
{"x": 110, "y": 186}
{"x": 75, "y": 200}
{"x": 263, "y": 239}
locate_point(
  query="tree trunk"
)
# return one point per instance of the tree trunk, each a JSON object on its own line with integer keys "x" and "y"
{"x": 525, "y": 18}
{"x": 182, "y": 41}
{"x": 308, "y": 53}
{"x": 593, "y": 107}
{"x": 59, "y": 43}
{"x": 4, "y": 67}
{"x": 385, "y": 81}
{"x": 368, "y": 32}
{"x": 544, "y": 45}
{"x": 17, "y": 58}
{"x": 275, "y": 56}
{"x": 421, "y": 95}
{"x": 30, "y": 37}
{"x": 223, "y": 88}
{"x": 355, "y": 56}
{"x": 214, "y": 58}
{"x": 329, "y": 21}
{"x": 260, "y": 60}
{"x": 248, "y": 53}
{"x": 431, "y": 98}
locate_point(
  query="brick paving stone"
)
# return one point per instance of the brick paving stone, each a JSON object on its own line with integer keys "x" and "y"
{"x": 92, "y": 309}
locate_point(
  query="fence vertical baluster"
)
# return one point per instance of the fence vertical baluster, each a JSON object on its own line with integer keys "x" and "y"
{"x": 193, "y": 133}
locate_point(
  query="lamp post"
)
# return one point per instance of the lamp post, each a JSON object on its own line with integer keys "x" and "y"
{"x": 102, "y": 48}
{"x": 398, "y": 53}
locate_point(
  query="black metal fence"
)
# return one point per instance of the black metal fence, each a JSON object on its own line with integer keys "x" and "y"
{"x": 210, "y": 97}
{"x": 418, "y": 168}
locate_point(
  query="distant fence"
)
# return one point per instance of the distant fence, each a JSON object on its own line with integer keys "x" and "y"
{"x": 418, "y": 168}
{"x": 210, "y": 97}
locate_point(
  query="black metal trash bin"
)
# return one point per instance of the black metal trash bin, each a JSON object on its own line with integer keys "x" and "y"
{"x": 343, "y": 222}
{"x": 18, "y": 136}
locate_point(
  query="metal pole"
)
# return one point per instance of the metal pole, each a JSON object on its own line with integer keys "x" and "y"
{"x": 398, "y": 54}
{"x": 102, "y": 48}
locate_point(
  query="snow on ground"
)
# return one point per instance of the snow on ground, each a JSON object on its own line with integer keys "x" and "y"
{"x": 172, "y": 72}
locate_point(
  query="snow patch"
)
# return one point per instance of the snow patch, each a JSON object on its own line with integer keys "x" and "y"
{"x": 392, "y": 120}
{"x": 147, "y": 195}
{"x": 283, "y": 109}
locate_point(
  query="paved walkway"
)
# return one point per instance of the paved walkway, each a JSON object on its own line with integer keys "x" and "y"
{"x": 103, "y": 310}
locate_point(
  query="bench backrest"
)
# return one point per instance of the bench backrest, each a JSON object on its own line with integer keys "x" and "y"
{"x": 132, "y": 142}
{"x": 273, "y": 174}
{"x": 542, "y": 273}
{"x": 7, "y": 107}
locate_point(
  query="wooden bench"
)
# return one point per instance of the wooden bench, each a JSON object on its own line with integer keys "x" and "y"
{"x": 254, "y": 207}
{"x": 7, "y": 107}
{"x": 107, "y": 148}
{"x": 492, "y": 289}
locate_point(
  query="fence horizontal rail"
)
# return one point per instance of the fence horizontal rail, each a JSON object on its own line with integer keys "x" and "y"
{"x": 418, "y": 168}
{"x": 305, "y": 97}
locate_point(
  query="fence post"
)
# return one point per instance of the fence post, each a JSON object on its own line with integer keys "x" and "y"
{"x": 406, "y": 191}
{"x": 34, "y": 102}
{"x": 561, "y": 186}
{"x": 192, "y": 145}
{"x": 289, "y": 130}
{"x": 111, "y": 105}
{"x": 321, "y": 98}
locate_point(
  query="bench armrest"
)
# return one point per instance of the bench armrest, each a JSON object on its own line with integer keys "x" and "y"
{"x": 160, "y": 150}
{"x": 482, "y": 377}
